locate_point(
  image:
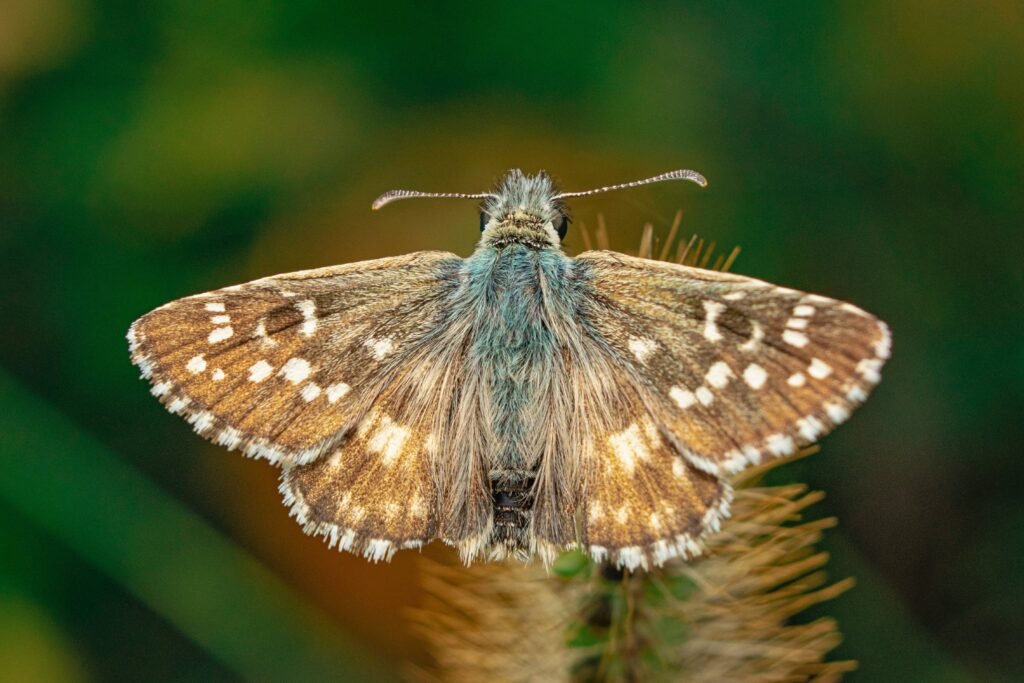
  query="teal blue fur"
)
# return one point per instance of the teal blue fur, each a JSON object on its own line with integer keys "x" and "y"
{"x": 513, "y": 342}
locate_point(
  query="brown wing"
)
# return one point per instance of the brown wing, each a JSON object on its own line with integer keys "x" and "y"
{"x": 643, "y": 503}
{"x": 282, "y": 368}
{"x": 375, "y": 493}
{"x": 412, "y": 470}
{"x": 733, "y": 370}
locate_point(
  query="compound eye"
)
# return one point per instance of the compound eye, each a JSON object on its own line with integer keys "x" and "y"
{"x": 561, "y": 225}
{"x": 484, "y": 219}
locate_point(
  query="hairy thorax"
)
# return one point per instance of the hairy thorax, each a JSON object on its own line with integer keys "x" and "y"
{"x": 514, "y": 333}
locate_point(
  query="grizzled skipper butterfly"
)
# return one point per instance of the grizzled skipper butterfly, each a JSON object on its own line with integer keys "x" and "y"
{"x": 515, "y": 402}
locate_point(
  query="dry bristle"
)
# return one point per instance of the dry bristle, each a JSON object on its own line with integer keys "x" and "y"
{"x": 493, "y": 622}
{"x": 585, "y": 235}
{"x": 647, "y": 242}
{"x": 602, "y": 233}
{"x": 676, "y": 222}
{"x": 509, "y": 622}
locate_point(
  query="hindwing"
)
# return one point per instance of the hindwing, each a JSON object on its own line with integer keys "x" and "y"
{"x": 642, "y": 502}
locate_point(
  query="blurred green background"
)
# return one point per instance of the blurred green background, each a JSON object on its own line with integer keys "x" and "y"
{"x": 870, "y": 151}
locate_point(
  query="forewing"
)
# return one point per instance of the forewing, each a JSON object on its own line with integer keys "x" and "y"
{"x": 734, "y": 370}
{"x": 285, "y": 366}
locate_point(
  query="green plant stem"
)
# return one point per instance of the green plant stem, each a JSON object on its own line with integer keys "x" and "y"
{"x": 217, "y": 595}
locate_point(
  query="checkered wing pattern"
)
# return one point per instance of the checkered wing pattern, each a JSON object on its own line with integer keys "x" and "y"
{"x": 733, "y": 370}
{"x": 642, "y": 502}
{"x": 377, "y": 491}
{"x": 285, "y": 367}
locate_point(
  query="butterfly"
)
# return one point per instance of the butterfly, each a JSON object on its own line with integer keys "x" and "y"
{"x": 516, "y": 402}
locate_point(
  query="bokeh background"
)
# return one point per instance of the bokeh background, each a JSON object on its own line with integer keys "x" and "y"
{"x": 871, "y": 151}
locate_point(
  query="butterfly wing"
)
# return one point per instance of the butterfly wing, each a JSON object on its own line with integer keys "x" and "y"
{"x": 642, "y": 502}
{"x": 733, "y": 369}
{"x": 413, "y": 468}
{"x": 376, "y": 492}
{"x": 284, "y": 367}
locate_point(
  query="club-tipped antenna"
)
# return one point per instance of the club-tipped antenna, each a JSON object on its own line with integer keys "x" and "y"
{"x": 395, "y": 195}
{"x": 681, "y": 174}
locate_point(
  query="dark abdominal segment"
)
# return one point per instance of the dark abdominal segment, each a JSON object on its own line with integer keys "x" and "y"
{"x": 512, "y": 497}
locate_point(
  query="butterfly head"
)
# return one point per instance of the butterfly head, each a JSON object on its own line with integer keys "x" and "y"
{"x": 524, "y": 208}
{"x": 529, "y": 209}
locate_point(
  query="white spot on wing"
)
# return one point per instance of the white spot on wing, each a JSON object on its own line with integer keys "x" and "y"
{"x": 718, "y": 374}
{"x": 804, "y": 311}
{"x": 678, "y": 466}
{"x": 261, "y": 333}
{"x": 380, "y": 348}
{"x": 810, "y": 427}
{"x": 310, "y": 392}
{"x": 704, "y": 395}
{"x": 336, "y": 391}
{"x": 196, "y": 365}
{"x": 883, "y": 347}
{"x": 629, "y": 447}
{"x": 388, "y": 440}
{"x": 870, "y": 370}
{"x": 378, "y": 549}
{"x": 230, "y": 437}
{"x": 219, "y": 334}
{"x": 417, "y": 509}
{"x": 712, "y": 310}
{"x": 837, "y": 412}
{"x": 780, "y": 444}
{"x": 217, "y": 375}
{"x": 856, "y": 394}
{"x": 622, "y": 515}
{"x": 735, "y": 296}
{"x": 220, "y": 319}
{"x": 215, "y": 307}
{"x": 145, "y": 366}
{"x": 655, "y": 522}
{"x": 295, "y": 370}
{"x": 307, "y": 308}
{"x": 202, "y": 421}
{"x": 794, "y": 338}
{"x": 756, "y": 335}
{"x": 632, "y": 557}
{"x": 260, "y": 370}
{"x": 642, "y": 348}
{"x": 819, "y": 369}
{"x": 179, "y": 404}
{"x": 683, "y": 398}
{"x": 733, "y": 461}
{"x": 755, "y": 376}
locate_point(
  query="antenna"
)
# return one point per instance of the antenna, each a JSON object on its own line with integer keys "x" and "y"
{"x": 395, "y": 195}
{"x": 671, "y": 175}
